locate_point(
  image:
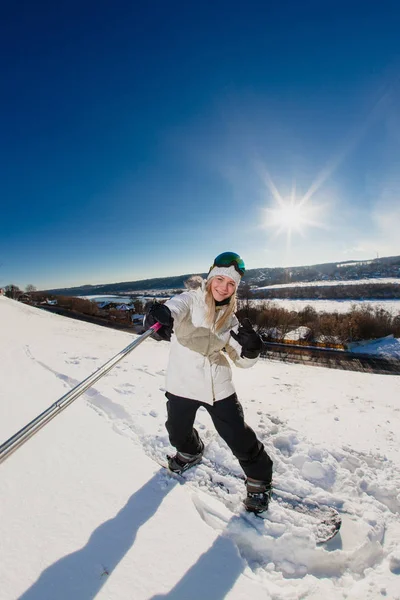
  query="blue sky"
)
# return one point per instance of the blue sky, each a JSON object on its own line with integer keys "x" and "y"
{"x": 141, "y": 139}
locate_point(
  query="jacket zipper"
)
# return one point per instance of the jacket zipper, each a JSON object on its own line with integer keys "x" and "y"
{"x": 212, "y": 330}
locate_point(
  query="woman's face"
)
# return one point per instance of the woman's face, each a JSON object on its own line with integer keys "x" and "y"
{"x": 222, "y": 287}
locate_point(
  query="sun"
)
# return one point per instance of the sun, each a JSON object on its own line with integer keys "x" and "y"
{"x": 293, "y": 214}
{"x": 289, "y": 216}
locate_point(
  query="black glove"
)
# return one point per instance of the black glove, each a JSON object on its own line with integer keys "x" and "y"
{"x": 159, "y": 313}
{"x": 249, "y": 340}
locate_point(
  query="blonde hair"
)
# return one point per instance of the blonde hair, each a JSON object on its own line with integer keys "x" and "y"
{"x": 211, "y": 309}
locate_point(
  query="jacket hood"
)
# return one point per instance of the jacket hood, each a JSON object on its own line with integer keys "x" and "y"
{"x": 195, "y": 282}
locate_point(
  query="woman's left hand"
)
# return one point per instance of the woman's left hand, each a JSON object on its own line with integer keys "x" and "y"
{"x": 249, "y": 339}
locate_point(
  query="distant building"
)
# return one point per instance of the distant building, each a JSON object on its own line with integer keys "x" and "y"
{"x": 300, "y": 334}
{"x": 25, "y": 298}
{"x": 137, "y": 319}
{"x": 104, "y": 304}
{"x": 124, "y": 307}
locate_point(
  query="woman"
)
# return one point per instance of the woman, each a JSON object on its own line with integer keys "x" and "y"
{"x": 199, "y": 373}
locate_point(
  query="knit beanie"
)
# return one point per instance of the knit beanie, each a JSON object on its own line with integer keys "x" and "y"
{"x": 225, "y": 272}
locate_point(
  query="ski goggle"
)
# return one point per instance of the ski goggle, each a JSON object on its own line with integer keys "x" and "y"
{"x": 229, "y": 259}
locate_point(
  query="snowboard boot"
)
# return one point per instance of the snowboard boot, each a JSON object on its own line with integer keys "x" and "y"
{"x": 182, "y": 462}
{"x": 258, "y": 495}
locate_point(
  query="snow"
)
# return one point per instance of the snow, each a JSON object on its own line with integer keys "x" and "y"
{"x": 327, "y": 283}
{"x": 387, "y": 347}
{"x": 300, "y": 333}
{"x": 330, "y": 306}
{"x": 104, "y": 299}
{"x": 139, "y": 295}
{"x": 86, "y": 513}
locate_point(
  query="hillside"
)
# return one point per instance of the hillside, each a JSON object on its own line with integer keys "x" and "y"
{"x": 86, "y": 513}
{"x": 376, "y": 268}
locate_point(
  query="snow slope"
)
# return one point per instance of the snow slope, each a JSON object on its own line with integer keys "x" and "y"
{"x": 86, "y": 514}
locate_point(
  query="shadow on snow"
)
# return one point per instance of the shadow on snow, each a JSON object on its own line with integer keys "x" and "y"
{"x": 212, "y": 576}
{"x": 81, "y": 574}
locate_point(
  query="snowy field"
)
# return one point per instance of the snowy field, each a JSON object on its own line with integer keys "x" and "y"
{"x": 339, "y": 306}
{"x": 110, "y": 298}
{"x": 86, "y": 513}
{"x": 395, "y": 280}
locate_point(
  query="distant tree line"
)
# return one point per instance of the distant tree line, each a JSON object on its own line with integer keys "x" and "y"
{"x": 360, "y": 323}
{"x": 350, "y": 270}
{"x": 13, "y": 291}
{"x": 90, "y": 308}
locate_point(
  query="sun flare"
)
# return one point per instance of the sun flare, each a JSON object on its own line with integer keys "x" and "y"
{"x": 288, "y": 216}
{"x": 293, "y": 214}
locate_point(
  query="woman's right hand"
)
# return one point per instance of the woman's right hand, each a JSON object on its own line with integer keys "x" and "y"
{"x": 160, "y": 313}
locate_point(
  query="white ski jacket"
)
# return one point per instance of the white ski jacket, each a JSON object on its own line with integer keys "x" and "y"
{"x": 197, "y": 368}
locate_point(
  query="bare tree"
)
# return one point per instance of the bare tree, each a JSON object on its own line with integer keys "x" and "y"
{"x": 30, "y": 288}
{"x": 12, "y": 291}
{"x": 244, "y": 295}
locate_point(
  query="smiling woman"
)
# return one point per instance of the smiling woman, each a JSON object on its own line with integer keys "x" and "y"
{"x": 199, "y": 375}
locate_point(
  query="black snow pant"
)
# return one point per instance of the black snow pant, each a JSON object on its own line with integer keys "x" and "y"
{"x": 227, "y": 416}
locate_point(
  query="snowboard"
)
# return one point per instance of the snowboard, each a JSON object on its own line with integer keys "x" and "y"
{"x": 323, "y": 520}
